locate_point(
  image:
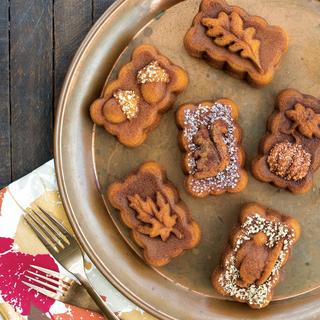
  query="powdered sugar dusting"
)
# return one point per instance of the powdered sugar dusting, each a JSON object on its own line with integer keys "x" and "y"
{"x": 275, "y": 232}
{"x": 206, "y": 116}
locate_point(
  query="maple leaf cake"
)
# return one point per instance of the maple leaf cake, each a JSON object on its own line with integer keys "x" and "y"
{"x": 289, "y": 151}
{"x": 151, "y": 207}
{"x": 210, "y": 137}
{"x": 259, "y": 247}
{"x": 146, "y": 87}
{"x": 245, "y": 46}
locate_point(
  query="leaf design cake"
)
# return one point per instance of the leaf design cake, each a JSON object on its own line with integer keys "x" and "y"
{"x": 228, "y": 31}
{"x": 150, "y": 206}
{"x": 155, "y": 216}
{"x": 229, "y": 38}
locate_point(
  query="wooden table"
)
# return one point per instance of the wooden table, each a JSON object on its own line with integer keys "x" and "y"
{"x": 38, "y": 39}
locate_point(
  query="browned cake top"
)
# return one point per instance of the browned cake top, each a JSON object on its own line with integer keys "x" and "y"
{"x": 211, "y": 139}
{"x": 289, "y": 161}
{"x": 260, "y": 246}
{"x": 147, "y": 86}
{"x": 289, "y": 151}
{"x": 150, "y": 205}
{"x": 205, "y": 117}
{"x": 223, "y": 33}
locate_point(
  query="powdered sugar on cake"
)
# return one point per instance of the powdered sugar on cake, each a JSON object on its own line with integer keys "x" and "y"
{"x": 206, "y": 116}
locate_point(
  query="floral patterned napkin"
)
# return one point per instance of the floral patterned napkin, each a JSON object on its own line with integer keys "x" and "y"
{"x": 19, "y": 248}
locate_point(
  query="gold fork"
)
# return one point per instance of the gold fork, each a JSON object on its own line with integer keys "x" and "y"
{"x": 59, "y": 287}
{"x": 65, "y": 249}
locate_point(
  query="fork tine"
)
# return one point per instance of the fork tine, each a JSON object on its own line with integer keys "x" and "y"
{"x": 57, "y": 224}
{"x": 53, "y": 273}
{"x": 38, "y": 231}
{"x": 51, "y": 223}
{"x": 46, "y": 292}
{"x": 45, "y": 284}
{"x": 47, "y": 228}
{"x": 60, "y": 283}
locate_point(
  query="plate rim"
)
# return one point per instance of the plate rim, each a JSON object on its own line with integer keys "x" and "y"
{"x": 60, "y": 173}
{"x": 85, "y": 245}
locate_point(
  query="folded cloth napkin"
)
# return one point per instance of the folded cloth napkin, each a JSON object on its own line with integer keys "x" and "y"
{"x": 19, "y": 248}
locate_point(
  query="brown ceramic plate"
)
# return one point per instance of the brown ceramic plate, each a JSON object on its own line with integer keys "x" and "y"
{"x": 88, "y": 160}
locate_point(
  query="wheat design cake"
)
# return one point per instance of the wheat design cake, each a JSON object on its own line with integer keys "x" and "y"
{"x": 259, "y": 247}
{"x": 289, "y": 151}
{"x": 213, "y": 157}
{"x": 146, "y": 87}
{"x": 229, "y": 38}
{"x": 151, "y": 207}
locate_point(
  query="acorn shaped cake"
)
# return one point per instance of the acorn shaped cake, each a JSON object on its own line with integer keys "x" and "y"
{"x": 146, "y": 87}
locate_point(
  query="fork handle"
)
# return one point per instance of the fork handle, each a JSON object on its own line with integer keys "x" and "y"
{"x": 105, "y": 309}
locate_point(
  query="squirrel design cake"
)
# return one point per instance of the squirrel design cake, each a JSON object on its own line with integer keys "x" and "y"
{"x": 210, "y": 138}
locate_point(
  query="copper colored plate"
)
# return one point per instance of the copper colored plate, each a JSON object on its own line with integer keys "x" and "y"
{"x": 88, "y": 159}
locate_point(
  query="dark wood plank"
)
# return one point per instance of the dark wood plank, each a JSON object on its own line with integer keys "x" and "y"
{"x": 72, "y": 21}
{"x": 99, "y": 7}
{"x": 31, "y": 84}
{"x": 5, "y": 150}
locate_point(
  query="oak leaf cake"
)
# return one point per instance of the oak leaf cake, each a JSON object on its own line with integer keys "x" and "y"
{"x": 259, "y": 247}
{"x": 146, "y": 87}
{"x": 289, "y": 151}
{"x": 229, "y": 38}
{"x": 151, "y": 207}
{"x": 210, "y": 138}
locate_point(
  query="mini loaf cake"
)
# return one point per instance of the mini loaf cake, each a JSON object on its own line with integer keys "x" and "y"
{"x": 131, "y": 106}
{"x": 150, "y": 205}
{"x": 289, "y": 152}
{"x": 210, "y": 138}
{"x": 259, "y": 247}
{"x": 229, "y": 38}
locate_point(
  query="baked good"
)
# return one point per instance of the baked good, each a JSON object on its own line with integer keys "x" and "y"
{"x": 210, "y": 138}
{"x": 289, "y": 151}
{"x": 131, "y": 106}
{"x": 259, "y": 247}
{"x": 151, "y": 207}
{"x": 228, "y": 38}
